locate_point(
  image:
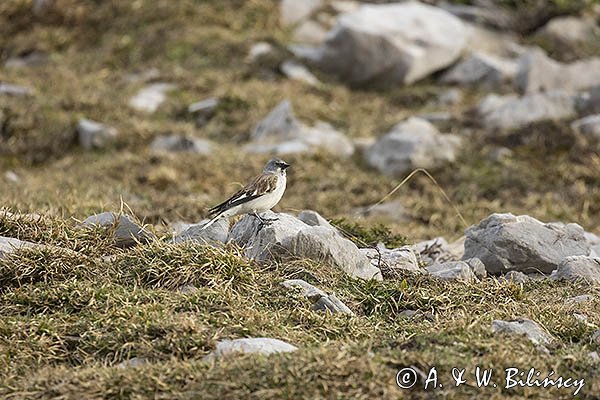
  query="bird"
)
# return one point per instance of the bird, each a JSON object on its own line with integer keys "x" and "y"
{"x": 260, "y": 195}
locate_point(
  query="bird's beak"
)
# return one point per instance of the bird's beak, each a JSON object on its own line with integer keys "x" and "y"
{"x": 285, "y": 166}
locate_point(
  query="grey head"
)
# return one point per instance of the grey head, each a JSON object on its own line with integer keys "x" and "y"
{"x": 275, "y": 165}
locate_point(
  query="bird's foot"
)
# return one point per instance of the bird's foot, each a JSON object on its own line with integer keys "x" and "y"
{"x": 264, "y": 221}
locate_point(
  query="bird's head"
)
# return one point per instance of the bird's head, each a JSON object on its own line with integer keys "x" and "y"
{"x": 276, "y": 165}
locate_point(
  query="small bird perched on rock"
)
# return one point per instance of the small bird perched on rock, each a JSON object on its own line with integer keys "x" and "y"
{"x": 260, "y": 195}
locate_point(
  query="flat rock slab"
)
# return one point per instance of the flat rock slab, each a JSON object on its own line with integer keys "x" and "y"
{"x": 504, "y": 242}
{"x": 126, "y": 232}
{"x": 265, "y": 346}
{"x": 522, "y": 327}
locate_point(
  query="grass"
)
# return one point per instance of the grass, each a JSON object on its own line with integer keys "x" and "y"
{"x": 76, "y": 308}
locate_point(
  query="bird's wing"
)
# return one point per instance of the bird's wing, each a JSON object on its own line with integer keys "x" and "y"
{"x": 261, "y": 185}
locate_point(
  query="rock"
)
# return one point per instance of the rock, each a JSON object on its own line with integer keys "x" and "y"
{"x": 307, "y": 290}
{"x": 9, "y": 245}
{"x": 326, "y": 246}
{"x": 258, "y": 51}
{"x": 499, "y": 154}
{"x": 203, "y": 110}
{"x": 416, "y": 315}
{"x": 31, "y": 59}
{"x": 132, "y": 363}
{"x": 289, "y": 237}
{"x": 589, "y": 103}
{"x": 149, "y": 98}
{"x": 313, "y": 218}
{"x": 414, "y": 143}
{"x": 298, "y": 72}
{"x": 179, "y": 143}
{"x": 294, "y": 11}
{"x": 477, "y": 267}
{"x": 568, "y": 32}
{"x": 215, "y": 234}
{"x": 577, "y": 268}
{"x": 481, "y": 69}
{"x": 588, "y": 126}
{"x": 537, "y": 72}
{"x": 484, "y": 14}
{"x": 322, "y": 301}
{"x": 281, "y": 133}
{"x": 594, "y": 241}
{"x": 453, "y": 270}
{"x": 516, "y": 276}
{"x": 436, "y": 250}
{"x": 390, "y": 43}
{"x": 187, "y": 289}
{"x": 450, "y": 97}
{"x": 584, "y": 298}
{"x": 332, "y": 304}
{"x": 392, "y": 261}
{"x": 596, "y": 337}
{"x": 580, "y": 318}
{"x": 309, "y": 32}
{"x": 144, "y": 75}
{"x": 501, "y": 44}
{"x": 268, "y": 242}
{"x": 14, "y": 90}
{"x": 504, "y": 242}
{"x": 437, "y": 117}
{"x": 279, "y": 124}
{"x": 265, "y": 346}
{"x": 503, "y": 113}
{"x": 12, "y": 177}
{"x": 522, "y": 327}
{"x": 126, "y": 232}
{"x": 594, "y": 357}
{"x": 390, "y": 211}
{"x": 94, "y": 135}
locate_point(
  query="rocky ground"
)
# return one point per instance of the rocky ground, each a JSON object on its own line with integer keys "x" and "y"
{"x": 121, "y": 123}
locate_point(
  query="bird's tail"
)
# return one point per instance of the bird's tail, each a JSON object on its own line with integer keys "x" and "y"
{"x": 212, "y": 220}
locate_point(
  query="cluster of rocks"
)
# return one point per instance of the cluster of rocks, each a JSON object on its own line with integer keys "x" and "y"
{"x": 403, "y": 42}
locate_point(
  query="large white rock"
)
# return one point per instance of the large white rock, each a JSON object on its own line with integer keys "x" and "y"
{"x": 263, "y": 242}
{"x": 414, "y": 143}
{"x": 504, "y": 242}
{"x": 503, "y": 113}
{"x": 537, "y": 72}
{"x": 392, "y": 261}
{"x": 390, "y": 43}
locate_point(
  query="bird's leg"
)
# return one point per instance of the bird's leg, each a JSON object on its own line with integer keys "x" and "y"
{"x": 260, "y": 220}
{"x": 269, "y": 220}
{"x": 263, "y": 221}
